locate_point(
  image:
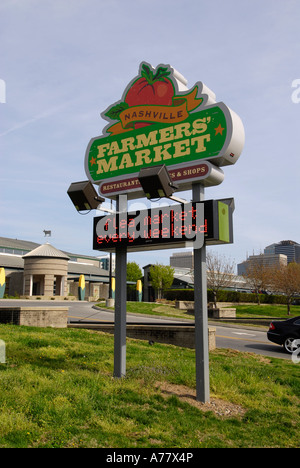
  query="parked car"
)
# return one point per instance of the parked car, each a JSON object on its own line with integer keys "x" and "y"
{"x": 285, "y": 333}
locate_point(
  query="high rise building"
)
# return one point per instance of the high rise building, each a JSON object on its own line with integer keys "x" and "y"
{"x": 266, "y": 260}
{"x": 286, "y": 247}
{"x": 182, "y": 259}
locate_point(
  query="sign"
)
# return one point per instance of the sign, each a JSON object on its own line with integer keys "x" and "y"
{"x": 219, "y": 224}
{"x": 206, "y": 172}
{"x": 159, "y": 228}
{"x": 175, "y": 226}
{"x": 160, "y": 121}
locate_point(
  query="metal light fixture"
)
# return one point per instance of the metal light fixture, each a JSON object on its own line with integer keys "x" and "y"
{"x": 84, "y": 196}
{"x": 156, "y": 182}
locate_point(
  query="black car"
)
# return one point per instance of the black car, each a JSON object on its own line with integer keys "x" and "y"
{"x": 285, "y": 333}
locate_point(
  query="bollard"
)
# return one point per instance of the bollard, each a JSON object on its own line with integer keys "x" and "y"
{"x": 2, "y": 283}
{"x": 81, "y": 288}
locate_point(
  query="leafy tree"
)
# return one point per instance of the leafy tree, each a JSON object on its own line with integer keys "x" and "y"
{"x": 134, "y": 273}
{"x": 161, "y": 277}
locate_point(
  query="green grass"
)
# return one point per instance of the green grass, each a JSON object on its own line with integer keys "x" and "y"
{"x": 57, "y": 391}
{"x": 266, "y": 310}
{"x": 153, "y": 308}
{"x": 242, "y": 311}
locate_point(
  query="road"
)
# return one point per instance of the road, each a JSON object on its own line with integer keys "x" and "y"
{"x": 246, "y": 339}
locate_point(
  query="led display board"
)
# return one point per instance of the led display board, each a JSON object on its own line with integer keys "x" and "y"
{"x": 174, "y": 226}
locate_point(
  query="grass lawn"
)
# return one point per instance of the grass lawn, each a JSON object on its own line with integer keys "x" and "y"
{"x": 57, "y": 391}
{"x": 153, "y": 308}
{"x": 266, "y": 310}
{"x": 242, "y": 311}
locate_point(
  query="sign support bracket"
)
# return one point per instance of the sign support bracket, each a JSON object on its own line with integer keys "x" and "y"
{"x": 120, "y": 301}
{"x": 201, "y": 319}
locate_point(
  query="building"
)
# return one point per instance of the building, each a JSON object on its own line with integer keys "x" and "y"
{"x": 266, "y": 260}
{"x": 184, "y": 279}
{"x": 105, "y": 259}
{"x": 35, "y": 270}
{"x": 286, "y": 247}
{"x": 45, "y": 272}
{"x": 182, "y": 259}
{"x": 183, "y": 264}
{"x": 280, "y": 253}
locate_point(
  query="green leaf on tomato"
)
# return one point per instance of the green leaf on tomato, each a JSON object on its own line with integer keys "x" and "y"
{"x": 114, "y": 112}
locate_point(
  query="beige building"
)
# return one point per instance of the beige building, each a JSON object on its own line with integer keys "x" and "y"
{"x": 45, "y": 272}
{"x": 34, "y": 270}
{"x": 266, "y": 260}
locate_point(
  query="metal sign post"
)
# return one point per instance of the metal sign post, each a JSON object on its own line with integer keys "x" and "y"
{"x": 200, "y": 307}
{"x": 120, "y": 301}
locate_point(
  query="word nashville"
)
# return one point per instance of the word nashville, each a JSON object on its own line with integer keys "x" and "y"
{"x": 151, "y": 147}
{"x": 164, "y": 225}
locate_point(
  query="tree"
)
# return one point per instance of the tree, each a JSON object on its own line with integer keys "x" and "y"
{"x": 220, "y": 273}
{"x": 161, "y": 277}
{"x": 258, "y": 276}
{"x": 286, "y": 279}
{"x": 134, "y": 273}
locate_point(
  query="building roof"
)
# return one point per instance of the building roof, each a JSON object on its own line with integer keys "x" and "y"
{"x": 284, "y": 243}
{"x": 11, "y": 262}
{"x": 21, "y": 247}
{"x": 17, "y": 244}
{"x": 77, "y": 269}
{"x": 13, "y": 252}
{"x": 46, "y": 250}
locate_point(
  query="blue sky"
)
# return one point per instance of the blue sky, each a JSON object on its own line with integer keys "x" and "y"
{"x": 64, "y": 62}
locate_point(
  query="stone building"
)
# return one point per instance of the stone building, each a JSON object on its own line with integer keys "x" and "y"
{"x": 42, "y": 271}
{"x": 45, "y": 272}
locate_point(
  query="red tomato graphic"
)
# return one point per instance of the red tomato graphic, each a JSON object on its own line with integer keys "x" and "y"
{"x": 151, "y": 89}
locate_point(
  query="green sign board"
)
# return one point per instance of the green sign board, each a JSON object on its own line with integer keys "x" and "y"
{"x": 154, "y": 124}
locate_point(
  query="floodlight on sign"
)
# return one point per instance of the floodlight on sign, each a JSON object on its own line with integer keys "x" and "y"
{"x": 83, "y": 196}
{"x": 156, "y": 182}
